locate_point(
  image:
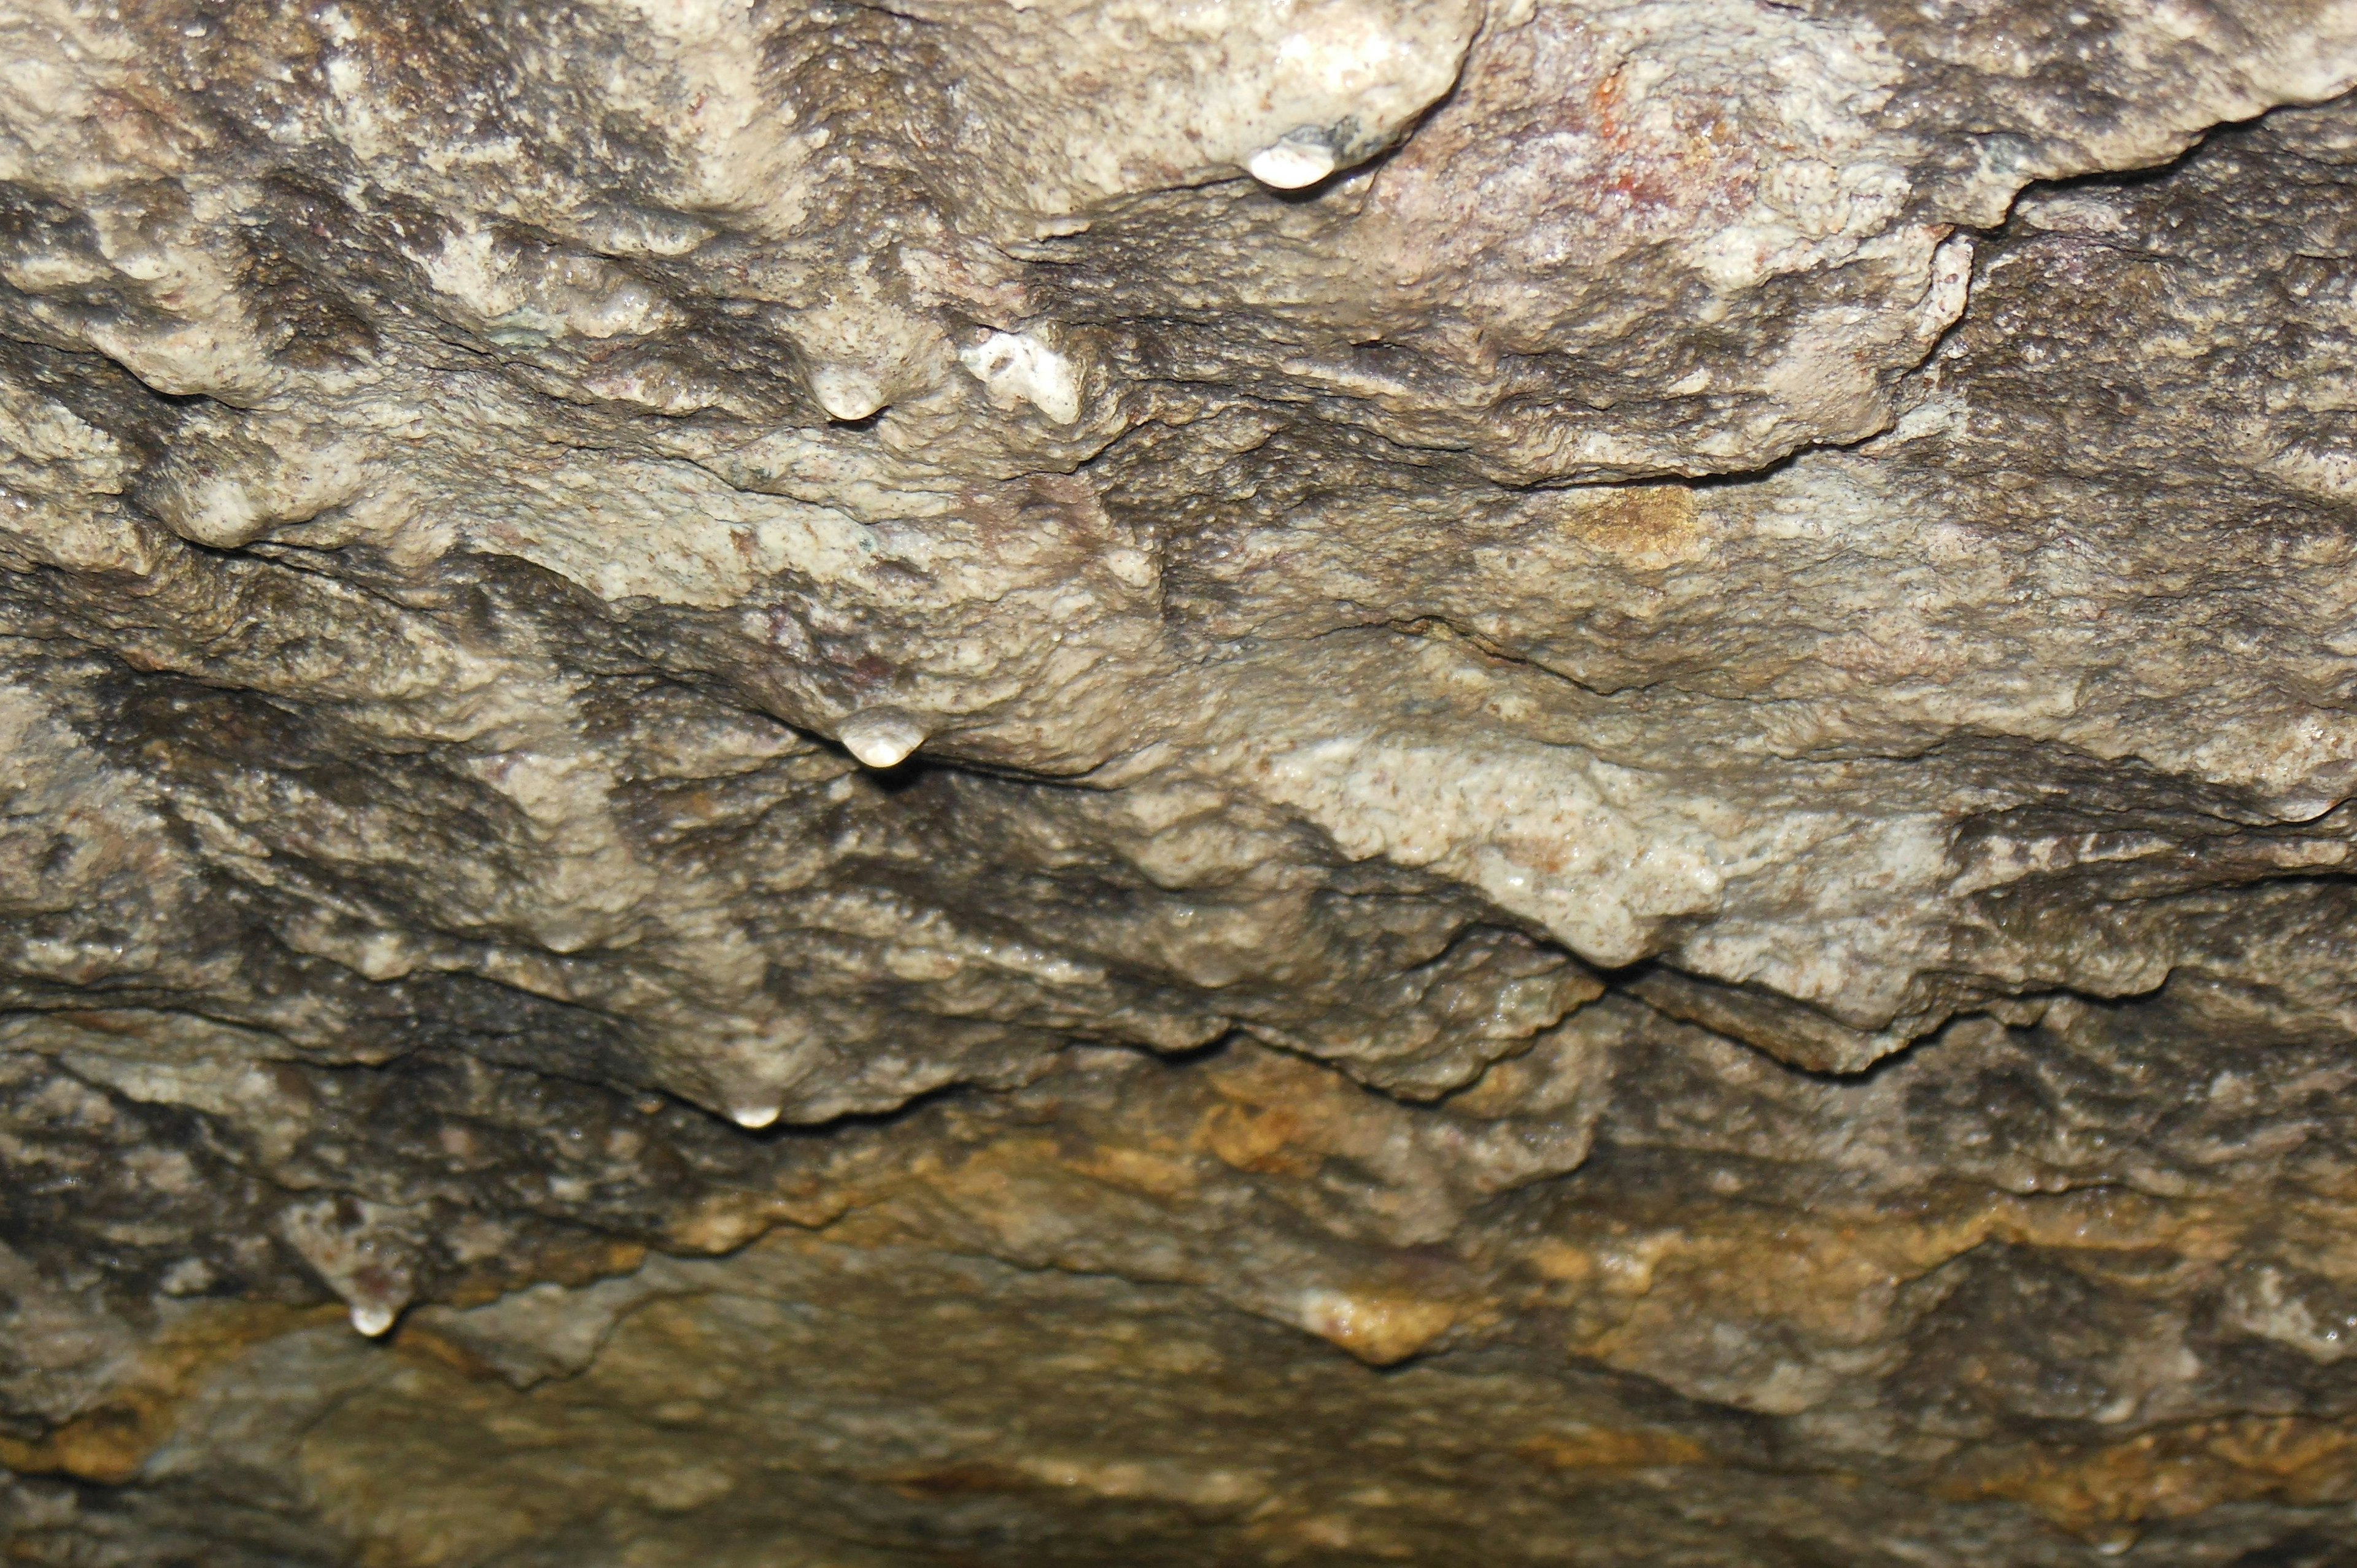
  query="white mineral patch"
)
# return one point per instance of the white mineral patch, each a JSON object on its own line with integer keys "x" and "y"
{"x": 1021, "y": 367}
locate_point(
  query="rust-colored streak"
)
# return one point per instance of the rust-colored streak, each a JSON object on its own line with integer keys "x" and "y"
{"x": 2170, "y": 1472}
{"x": 109, "y": 1443}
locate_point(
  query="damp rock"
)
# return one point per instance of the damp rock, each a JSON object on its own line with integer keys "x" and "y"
{"x": 1049, "y": 782}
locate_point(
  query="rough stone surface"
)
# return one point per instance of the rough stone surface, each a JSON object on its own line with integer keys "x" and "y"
{"x": 1309, "y": 782}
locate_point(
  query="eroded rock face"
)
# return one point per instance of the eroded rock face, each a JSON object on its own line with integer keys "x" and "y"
{"x": 1172, "y": 783}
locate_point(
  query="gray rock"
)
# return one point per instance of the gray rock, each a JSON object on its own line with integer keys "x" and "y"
{"x": 1076, "y": 782}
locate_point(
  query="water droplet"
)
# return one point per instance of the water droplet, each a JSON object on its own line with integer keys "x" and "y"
{"x": 881, "y": 737}
{"x": 1300, "y": 158}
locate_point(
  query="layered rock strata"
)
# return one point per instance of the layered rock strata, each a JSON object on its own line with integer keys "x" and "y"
{"x": 1068, "y": 782}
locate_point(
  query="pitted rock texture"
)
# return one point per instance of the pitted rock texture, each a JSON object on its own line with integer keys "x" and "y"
{"x": 1311, "y": 782}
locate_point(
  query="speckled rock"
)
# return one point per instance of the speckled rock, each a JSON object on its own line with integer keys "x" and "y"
{"x": 1246, "y": 781}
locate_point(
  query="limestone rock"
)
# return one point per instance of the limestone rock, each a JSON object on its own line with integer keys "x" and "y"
{"x": 1171, "y": 781}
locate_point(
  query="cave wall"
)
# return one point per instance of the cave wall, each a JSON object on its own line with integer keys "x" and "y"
{"x": 1177, "y": 781}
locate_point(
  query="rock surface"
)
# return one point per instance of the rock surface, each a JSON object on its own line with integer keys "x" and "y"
{"x": 1178, "y": 782}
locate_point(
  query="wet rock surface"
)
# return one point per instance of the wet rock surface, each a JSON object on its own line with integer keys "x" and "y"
{"x": 1067, "y": 783}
